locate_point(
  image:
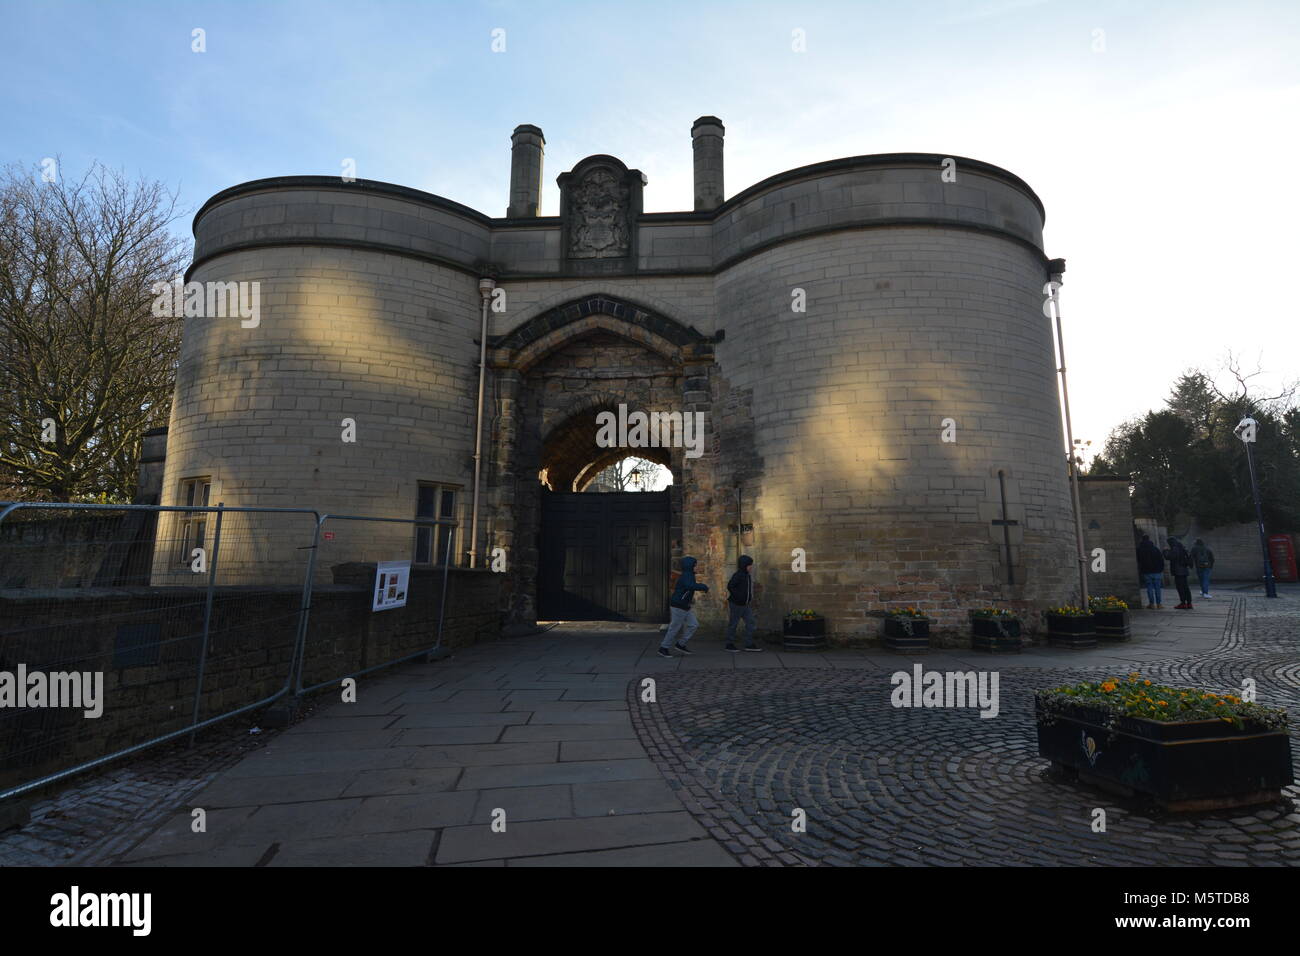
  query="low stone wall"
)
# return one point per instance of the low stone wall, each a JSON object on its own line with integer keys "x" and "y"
{"x": 70, "y": 549}
{"x": 146, "y": 643}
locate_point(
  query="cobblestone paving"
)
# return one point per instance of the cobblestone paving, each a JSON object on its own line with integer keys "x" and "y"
{"x": 887, "y": 786}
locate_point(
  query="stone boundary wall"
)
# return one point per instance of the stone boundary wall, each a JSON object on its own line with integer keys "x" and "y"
{"x": 146, "y": 642}
{"x": 1108, "y": 524}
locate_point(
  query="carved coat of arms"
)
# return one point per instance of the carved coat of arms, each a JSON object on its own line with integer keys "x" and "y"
{"x": 598, "y": 225}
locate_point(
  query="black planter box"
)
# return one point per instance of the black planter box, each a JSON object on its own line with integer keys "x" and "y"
{"x": 1112, "y": 625}
{"x": 1063, "y": 631}
{"x": 804, "y": 635}
{"x": 991, "y": 634}
{"x": 1192, "y": 765}
{"x": 897, "y": 638}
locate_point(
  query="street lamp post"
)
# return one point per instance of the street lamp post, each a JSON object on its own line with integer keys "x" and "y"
{"x": 1245, "y": 430}
{"x": 1052, "y": 309}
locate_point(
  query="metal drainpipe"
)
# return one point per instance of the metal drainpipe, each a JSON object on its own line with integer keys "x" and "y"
{"x": 1058, "y": 270}
{"x": 485, "y": 287}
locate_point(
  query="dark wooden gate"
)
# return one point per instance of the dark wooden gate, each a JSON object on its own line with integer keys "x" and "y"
{"x": 604, "y": 557}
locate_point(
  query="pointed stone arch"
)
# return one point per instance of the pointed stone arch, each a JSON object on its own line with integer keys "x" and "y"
{"x": 569, "y": 462}
{"x": 526, "y": 345}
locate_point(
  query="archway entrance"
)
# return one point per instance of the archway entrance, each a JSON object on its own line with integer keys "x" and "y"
{"x": 604, "y": 554}
{"x": 579, "y": 553}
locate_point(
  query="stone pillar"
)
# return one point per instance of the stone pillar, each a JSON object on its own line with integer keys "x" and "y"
{"x": 702, "y": 503}
{"x": 516, "y": 603}
{"x": 527, "y": 145}
{"x": 706, "y": 140}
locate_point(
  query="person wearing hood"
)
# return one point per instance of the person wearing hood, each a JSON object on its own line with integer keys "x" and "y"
{"x": 1203, "y": 558}
{"x": 1180, "y": 565}
{"x": 1151, "y": 565}
{"x": 683, "y": 620}
{"x": 740, "y": 603}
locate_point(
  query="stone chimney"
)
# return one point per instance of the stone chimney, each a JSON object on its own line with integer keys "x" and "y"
{"x": 706, "y": 139}
{"x": 527, "y": 145}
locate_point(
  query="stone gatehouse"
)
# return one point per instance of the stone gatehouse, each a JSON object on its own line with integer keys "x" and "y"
{"x": 864, "y": 337}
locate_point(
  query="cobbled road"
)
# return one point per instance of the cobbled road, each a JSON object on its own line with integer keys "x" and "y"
{"x": 896, "y": 786}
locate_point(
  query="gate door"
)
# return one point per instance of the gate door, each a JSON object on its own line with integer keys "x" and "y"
{"x": 604, "y": 557}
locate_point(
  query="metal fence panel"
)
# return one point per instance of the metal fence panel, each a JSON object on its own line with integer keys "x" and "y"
{"x": 125, "y": 626}
{"x": 342, "y": 635}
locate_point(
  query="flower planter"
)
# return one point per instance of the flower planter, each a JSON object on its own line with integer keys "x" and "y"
{"x": 1188, "y": 765}
{"x": 994, "y": 635}
{"x": 1111, "y": 625}
{"x": 1067, "y": 631}
{"x": 804, "y": 634}
{"x": 899, "y": 636}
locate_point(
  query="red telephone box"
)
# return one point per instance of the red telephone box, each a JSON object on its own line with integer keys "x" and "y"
{"x": 1282, "y": 555}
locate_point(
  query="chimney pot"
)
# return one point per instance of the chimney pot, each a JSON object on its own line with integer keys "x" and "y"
{"x": 527, "y": 145}
{"x": 706, "y": 140}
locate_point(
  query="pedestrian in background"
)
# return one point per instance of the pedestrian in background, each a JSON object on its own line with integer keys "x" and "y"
{"x": 1203, "y": 559}
{"x": 1180, "y": 565}
{"x": 1151, "y": 565}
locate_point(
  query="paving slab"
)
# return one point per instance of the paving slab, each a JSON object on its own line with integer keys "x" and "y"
{"x": 176, "y": 836}
{"x": 461, "y": 844}
{"x": 601, "y": 749}
{"x": 578, "y": 771}
{"x": 612, "y": 718}
{"x": 337, "y": 740}
{"x": 621, "y": 797}
{"x": 249, "y": 791}
{"x": 408, "y": 848}
{"x": 419, "y": 811}
{"x": 263, "y": 763}
{"x": 377, "y": 783}
{"x": 569, "y": 732}
{"x": 438, "y": 718}
{"x": 487, "y": 755}
{"x": 437, "y": 736}
{"x": 704, "y": 853}
{"x": 526, "y": 803}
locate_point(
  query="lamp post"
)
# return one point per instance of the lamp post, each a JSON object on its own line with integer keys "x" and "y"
{"x": 1056, "y": 270}
{"x": 1245, "y": 430}
{"x": 635, "y": 478}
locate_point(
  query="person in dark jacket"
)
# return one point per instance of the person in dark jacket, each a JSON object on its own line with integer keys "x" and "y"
{"x": 1180, "y": 565}
{"x": 740, "y": 603}
{"x": 683, "y": 620}
{"x": 1203, "y": 560}
{"x": 1151, "y": 565}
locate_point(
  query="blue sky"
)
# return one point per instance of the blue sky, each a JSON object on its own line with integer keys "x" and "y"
{"x": 1163, "y": 147}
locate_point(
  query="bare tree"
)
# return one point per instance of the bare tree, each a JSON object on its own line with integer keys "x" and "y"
{"x": 87, "y": 368}
{"x": 618, "y": 476}
{"x": 1284, "y": 398}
